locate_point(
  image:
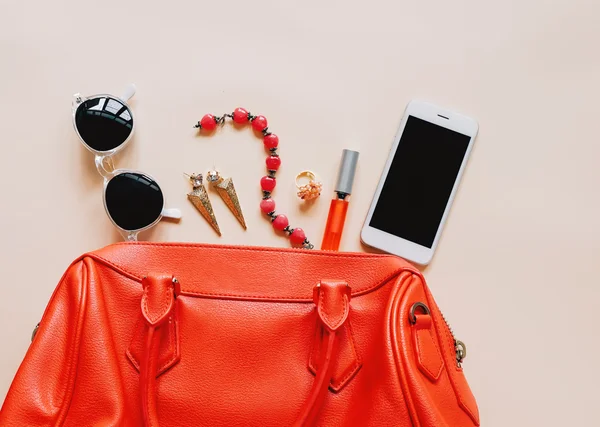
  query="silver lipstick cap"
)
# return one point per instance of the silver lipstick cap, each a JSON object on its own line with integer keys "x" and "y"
{"x": 347, "y": 172}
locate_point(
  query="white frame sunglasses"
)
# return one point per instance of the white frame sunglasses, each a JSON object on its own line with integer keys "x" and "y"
{"x": 104, "y": 158}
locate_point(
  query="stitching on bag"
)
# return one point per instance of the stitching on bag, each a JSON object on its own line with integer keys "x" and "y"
{"x": 356, "y": 357}
{"x": 312, "y": 365}
{"x": 341, "y": 382}
{"x": 162, "y": 310}
{"x": 435, "y": 377}
{"x": 172, "y": 349}
{"x": 419, "y": 352}
{"x": 133, "y": 360}
{"x": 242, "y": 296}
{"x": 321, "y": 310}
{"x": 140, "y": 323}
{"x": 357, "y": 293}
{"x": 115, "y": 267}
{"x": 357, "y": 363}
{"x": 357, "y": 360}
{"x": 145, "y": 304}
{"x": 168, "y": 296}
{"x": 326, "y": 317}
{"x": 253, "y": 249}
{"x": 439, "y": 355}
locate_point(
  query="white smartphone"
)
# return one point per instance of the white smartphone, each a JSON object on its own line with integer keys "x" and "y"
{"x": 419, "y": 182}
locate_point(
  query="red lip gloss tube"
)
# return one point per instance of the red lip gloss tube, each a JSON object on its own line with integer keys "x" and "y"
{"x": 340, "y": 202}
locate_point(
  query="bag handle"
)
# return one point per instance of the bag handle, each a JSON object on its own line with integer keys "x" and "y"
{"x": 332, "y": 300}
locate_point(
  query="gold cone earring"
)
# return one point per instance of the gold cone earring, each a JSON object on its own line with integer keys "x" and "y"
{"x": 199, "y": 198}
{"x": 226, "y": 190}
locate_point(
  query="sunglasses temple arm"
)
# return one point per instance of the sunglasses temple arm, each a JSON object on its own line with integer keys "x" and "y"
{"x": 129, "y": 92}
{"x": 171, "y": 213}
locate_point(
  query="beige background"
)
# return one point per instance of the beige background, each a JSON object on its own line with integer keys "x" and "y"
{"x": 517, "y": 269}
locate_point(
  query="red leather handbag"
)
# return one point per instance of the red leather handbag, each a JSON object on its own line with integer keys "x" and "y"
{"x": 144, "y": 334}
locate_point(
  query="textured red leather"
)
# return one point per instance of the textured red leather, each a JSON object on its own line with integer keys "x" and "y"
{"x": 245, "y": 336}
{"x": 428, "y": 354}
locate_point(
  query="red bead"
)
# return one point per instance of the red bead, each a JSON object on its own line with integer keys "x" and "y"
{"x": 271, "y": 141}
{"x": 259, "y": 123}
{"x": 280, "y": 222}
{"x": 273, "y": 163}
{"x": 240, "y": 116}
{"x": 267, "y": 183}
{"x": 298, "y": 236}
{"x": 208, "y": 122}
{"x": 267, "y": 206}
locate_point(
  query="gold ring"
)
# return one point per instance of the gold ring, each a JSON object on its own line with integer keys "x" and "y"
{"x": 312, "y": 189}
{"x": 308, "y": 174}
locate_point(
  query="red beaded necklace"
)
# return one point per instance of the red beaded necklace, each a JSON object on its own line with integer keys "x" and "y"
{"x": 241, "y": 116}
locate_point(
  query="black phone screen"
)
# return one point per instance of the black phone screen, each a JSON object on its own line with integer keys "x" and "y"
{"x": 420, "y": 180}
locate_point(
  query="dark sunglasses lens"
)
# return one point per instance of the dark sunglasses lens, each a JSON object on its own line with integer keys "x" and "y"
{"x": 133, "y": 200}
{"x": 104, "y": 123}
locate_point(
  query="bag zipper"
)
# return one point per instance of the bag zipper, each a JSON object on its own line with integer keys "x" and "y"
{"x": 34, "y": 333}
{"x": 459, "y": 347}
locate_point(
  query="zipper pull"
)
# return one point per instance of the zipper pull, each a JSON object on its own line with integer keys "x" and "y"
{"x": 459, "y": 347}
{"x": 34, "y": 333}
{"x": 461, "y": 352}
